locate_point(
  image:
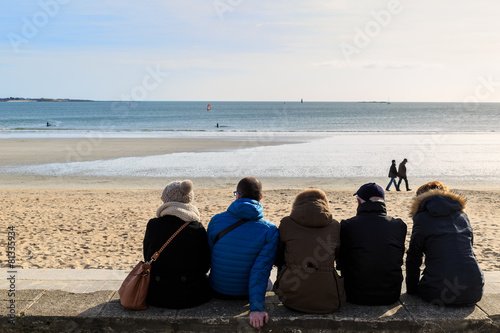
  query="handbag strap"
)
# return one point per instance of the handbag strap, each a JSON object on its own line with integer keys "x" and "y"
{"x": 228, "y": 229}
{"x": 155, "y": 256}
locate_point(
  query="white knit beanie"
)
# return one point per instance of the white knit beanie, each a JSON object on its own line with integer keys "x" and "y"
{"x": 178, "y": 192}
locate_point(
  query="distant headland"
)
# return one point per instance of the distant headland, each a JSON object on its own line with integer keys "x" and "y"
{"x": 22, "y": 99}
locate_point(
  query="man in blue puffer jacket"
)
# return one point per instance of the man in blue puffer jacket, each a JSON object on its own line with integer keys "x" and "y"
{"x": 243, "y": 258}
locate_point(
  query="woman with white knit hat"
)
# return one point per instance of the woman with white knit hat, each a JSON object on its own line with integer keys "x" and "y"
{"x": 178, "y": 276}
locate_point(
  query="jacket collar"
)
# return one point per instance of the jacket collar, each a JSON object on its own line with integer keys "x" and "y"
{"x": 370, "y": 207}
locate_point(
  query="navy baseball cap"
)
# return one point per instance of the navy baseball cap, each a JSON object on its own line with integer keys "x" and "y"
{"x": 369, "y": 190}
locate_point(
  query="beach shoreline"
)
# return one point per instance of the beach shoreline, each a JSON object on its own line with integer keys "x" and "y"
{"x": 448, "y": 157}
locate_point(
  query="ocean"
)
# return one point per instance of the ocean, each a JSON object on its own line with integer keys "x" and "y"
{"x": 338, "y": 139}
{"x": 249, "y": 116}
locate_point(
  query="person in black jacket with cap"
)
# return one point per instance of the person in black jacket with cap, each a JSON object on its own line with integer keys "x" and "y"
{"x": 442, "y": 232}
{"x": 372, "y": 246}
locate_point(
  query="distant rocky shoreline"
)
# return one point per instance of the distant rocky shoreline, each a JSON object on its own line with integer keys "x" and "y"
{"x": 21, "y": 99}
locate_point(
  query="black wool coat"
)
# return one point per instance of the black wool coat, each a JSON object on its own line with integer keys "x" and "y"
{"x": 372, "y": 246}
{"x": 178, "y": 277}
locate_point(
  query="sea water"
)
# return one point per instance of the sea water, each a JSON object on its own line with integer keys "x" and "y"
{"x": 249, "y": 116}
{"x": 440, "y": 140}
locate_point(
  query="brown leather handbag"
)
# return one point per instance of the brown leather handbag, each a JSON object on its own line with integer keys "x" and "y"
{"x": 134, "y": 289}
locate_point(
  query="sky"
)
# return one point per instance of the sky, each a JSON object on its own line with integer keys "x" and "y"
{"x": 251, "y": 50}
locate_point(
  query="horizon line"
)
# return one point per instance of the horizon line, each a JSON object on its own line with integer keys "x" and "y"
{"x": 62, "y": 100}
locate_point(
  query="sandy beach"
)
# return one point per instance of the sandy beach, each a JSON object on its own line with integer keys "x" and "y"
{"x": 99, "y": 222}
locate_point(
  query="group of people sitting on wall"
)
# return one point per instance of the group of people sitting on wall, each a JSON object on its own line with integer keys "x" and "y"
{"x": 233, "y": 257}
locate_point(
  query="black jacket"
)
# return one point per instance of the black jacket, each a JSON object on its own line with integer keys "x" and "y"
{"x": 372, "y": 246}
{"x": 178, "y": 277}
{"x": 442, "y": 232}
{"x": 393, "y": 172}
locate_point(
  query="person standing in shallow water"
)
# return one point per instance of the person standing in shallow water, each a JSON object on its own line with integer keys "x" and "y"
{"x": 393, "y": 174}
{"x": 402, "y": 174}
{"x": 443, "y": 235}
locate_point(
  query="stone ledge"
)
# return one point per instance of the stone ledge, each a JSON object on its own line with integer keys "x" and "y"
{"x": 59, "y": 311}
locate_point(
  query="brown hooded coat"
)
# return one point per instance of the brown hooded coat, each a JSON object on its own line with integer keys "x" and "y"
{"x": 309, "y": 238}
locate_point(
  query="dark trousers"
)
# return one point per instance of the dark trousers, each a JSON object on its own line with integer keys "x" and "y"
{"x": 406, "y": 182}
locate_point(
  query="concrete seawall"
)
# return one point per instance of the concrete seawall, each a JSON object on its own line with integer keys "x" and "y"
{"x": 50, "y": 307}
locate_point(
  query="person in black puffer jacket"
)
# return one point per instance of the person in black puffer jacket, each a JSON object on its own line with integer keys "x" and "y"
{"x": 442, "y": 232}
{"x": 372, "y": 246}
{"x": 178, "y": 278}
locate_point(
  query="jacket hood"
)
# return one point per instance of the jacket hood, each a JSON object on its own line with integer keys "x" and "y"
{"x": 438, "y": 203}
{"x": 311, "y": 212}
{"x": 246, "y": 209}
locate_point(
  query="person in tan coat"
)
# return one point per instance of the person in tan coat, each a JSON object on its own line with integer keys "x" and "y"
{"x": 309, "y": 239}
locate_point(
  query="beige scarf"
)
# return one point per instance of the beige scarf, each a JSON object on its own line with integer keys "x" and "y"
{"x": 185, "y": 212}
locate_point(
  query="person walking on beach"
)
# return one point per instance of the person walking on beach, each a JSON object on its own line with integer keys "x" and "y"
{"x": 443, "y": 234}
{"x": 179, "y": 276}
{"x": 243, "y": 246}
{"x": 309, "y": 239}
{"x": 393, "y": 174}
{"x": 402, "y": 174}
{"x": 372, "y": 246}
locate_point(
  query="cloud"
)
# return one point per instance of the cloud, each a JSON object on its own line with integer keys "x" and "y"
{"x": 338, "y": 64}
{"x": 400, "y": 65}
{"x": 330, "y": 64}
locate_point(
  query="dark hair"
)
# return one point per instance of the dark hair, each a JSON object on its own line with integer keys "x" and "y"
{"x": 250, "y": 188}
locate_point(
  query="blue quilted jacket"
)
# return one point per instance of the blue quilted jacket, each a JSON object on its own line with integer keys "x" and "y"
{"x": 243, "y": 258}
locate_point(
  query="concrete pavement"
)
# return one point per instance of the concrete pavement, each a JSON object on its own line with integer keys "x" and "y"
{"x": 87, "y": 301}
